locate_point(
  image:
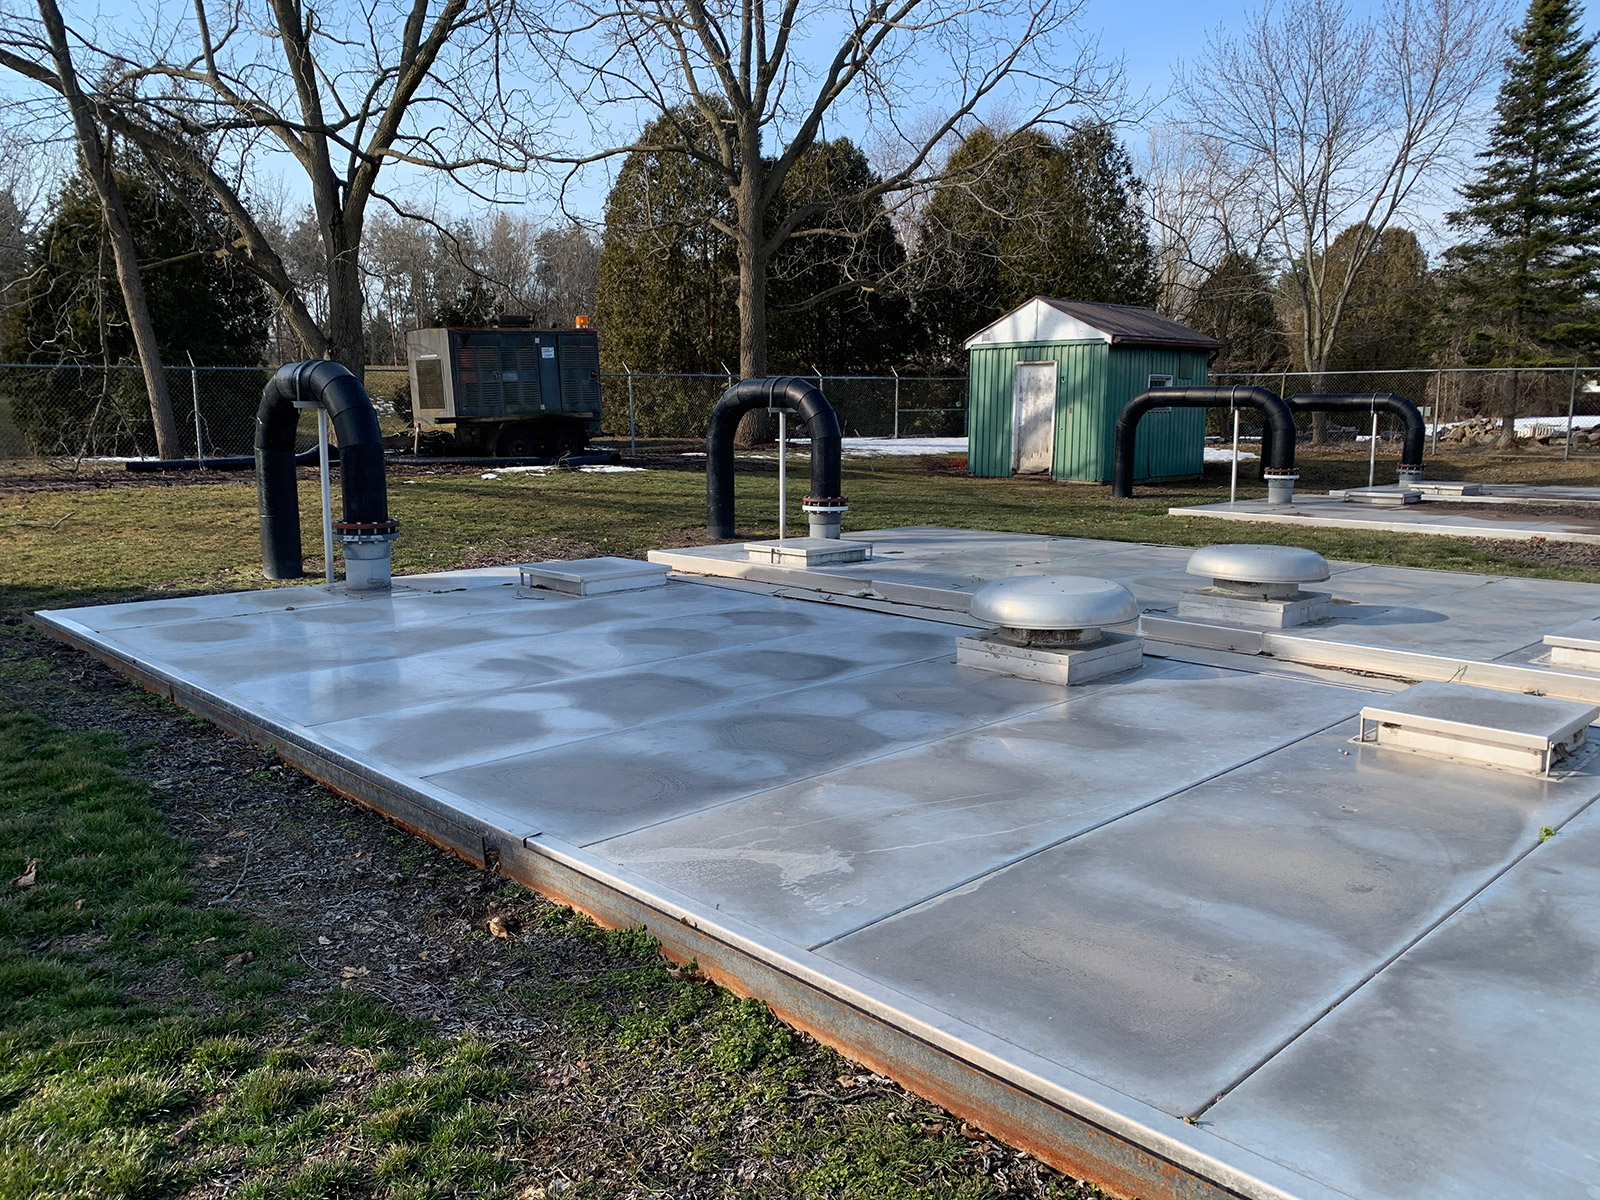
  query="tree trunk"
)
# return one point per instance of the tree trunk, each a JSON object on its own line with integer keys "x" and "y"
{"x": 347, "y": 334}
{"x": 757, "y": 427}
{"x": 97, "y": 164}
{"x": 1319, "y": 420}
{"x": 1508, "y": 415}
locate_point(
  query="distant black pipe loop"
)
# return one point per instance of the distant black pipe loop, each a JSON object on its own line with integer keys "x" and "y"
{"x": 791, "y": 394}
{"x": 361, "y": 481}
{"x": 1279, "y": 460}
{"x": 1414, "y": 434}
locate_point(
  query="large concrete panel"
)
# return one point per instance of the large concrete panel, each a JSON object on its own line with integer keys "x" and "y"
{"x": 1170, "y": 953}
{"x": 1468, "y": 1069}
{"x": 814, "y": 861}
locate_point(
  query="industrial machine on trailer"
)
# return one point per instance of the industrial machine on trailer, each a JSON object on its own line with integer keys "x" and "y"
{"x": 508, "y": 390}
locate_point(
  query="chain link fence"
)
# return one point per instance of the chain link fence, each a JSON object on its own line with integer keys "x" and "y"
{"x": 98, "y": 412}
{"x": 73, "y": 411}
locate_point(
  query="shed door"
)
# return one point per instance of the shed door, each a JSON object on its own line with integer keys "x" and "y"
{"x": 1033, "y": 408}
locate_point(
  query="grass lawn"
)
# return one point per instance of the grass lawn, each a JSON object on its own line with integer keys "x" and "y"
{"x": 222, "y": 980}
{"x": 65, "y": 546}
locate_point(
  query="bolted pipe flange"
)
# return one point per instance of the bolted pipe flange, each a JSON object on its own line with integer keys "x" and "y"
{"x": 825, "y": 515}
{"x": 1280, "y": 485}
{"x": 1408, "y": 475}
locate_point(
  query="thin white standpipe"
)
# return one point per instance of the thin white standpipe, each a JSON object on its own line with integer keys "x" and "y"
{"x": 1372, "y": 459}
{"x": 1233, "y": 481}
{"x": 194, "y": 386}
{"x": 327, "y": 496}
{"x": 783, "y": 474}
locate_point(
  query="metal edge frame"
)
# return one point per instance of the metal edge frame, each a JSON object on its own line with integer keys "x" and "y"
{"x": 1082, "y": 1128}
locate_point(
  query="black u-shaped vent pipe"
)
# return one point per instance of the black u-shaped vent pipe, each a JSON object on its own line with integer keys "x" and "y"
{"x": 825, "y": 505}
{"x": 366, "y": 530}
{"x": 1415, "y": 434}
{"x": 1279, "y": 461}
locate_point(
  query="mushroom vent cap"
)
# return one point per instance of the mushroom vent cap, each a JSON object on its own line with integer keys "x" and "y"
{"x": 1259, "y": 564}
{"x": 1053, "y": 602}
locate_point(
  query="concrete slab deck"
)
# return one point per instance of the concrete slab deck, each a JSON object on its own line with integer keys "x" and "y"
{"x": 1433, "y": 518}
{"x": 1076, "y": 917}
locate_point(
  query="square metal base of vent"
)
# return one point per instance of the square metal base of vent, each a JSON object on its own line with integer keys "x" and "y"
{"x": 808, "y": 551}
{"x": 1568, "y": 650}
{"x": 1509, "y": 730}
{"x": 1260, "y": 614}
{"x": 1382, "y": 497}
{"x": 593, "y": 576}
{"x": 993, "y": 651}
{"x": 1447, "y": 487}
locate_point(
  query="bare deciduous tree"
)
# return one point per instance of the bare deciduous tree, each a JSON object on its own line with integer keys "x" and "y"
{"x": 746, "y": 88}
{"x": 1199, "y": 213}
{"x": 1332, "y": 122}
{"x": 97, "y": 167}
{"x": 343, "y": 94}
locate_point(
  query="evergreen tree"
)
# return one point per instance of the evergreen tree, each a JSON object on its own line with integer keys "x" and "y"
{"x": 202, "y": 300}
{"x": 1389, "y": 306}
{"x": 203, "y": 303}
{"x": 1523, "y": 282}
{"x": 668, "y": 287}
{"x": 668, "y": 273}
{"x": 1028, "y": 215}
{"x": 828, "y": 305}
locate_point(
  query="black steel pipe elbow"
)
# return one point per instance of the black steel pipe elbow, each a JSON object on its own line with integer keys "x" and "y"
{"x": 793, "y": 395}
{"x": 1279, "y": 419}
{"x": 361, "y": 481}
{"x": 1414, "y": 435}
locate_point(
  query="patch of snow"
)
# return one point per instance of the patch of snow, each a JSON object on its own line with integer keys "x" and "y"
{"x": 908, "y": 447}
{"x": 544, "y": 469}
{"x": 1225, "y": 454}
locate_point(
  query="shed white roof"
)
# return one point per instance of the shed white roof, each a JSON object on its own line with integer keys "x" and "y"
{"x": 1046, "y": 319}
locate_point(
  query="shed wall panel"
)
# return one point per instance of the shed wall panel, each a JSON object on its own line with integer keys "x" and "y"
{"x": 1080, "y": 384}
{"x": 1169, "y": 443}
{"x": 1093, "y": 382}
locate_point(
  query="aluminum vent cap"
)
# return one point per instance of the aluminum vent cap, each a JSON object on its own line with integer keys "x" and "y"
{"x": 1054, "y": 602}
{"x": 1259, "y": 564}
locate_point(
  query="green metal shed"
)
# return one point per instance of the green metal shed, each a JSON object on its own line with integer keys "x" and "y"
{"x": 1046, "y": 381}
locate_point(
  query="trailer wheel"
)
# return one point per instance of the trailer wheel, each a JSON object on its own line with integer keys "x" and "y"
{"x": 519, "y": 440}
{"x": 569, "y": 439}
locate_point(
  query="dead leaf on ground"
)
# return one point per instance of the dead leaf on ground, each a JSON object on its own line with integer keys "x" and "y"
{"x": 30, "y": 874}
{"x": 504, "y": 926}
{"x": 215, "y": 860}
{"x": 239, "y": 833}
{"x": 238, "y": 960}
{"x": 181, "y": 1133}
{"x": 77, "y": 904}
{"x": 324, "y": 941}
{"x": 355, "y": 972}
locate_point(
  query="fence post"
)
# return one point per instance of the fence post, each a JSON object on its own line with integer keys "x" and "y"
{"x": 1572, "y": 401}
{"x": 1372, "y": 457}
{"x": 1438, "y": 410}
{"x": 896, "y": 375}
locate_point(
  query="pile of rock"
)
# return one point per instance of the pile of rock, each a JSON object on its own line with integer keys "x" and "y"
{"x": 1480, "y": 431}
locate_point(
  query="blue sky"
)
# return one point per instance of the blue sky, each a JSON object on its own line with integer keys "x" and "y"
{"x": 1151, "y": 37}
